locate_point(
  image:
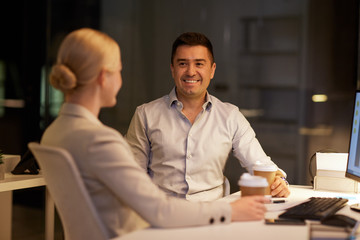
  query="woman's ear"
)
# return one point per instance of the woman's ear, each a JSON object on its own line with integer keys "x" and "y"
{"x": 101, "y": 78}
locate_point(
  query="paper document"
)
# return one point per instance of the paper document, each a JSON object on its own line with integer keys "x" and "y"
{"x": 331, "y": 161}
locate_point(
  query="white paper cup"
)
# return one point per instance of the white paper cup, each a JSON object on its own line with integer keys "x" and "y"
{"x": 252, "y": 185}
{"x": 267, "y": 171}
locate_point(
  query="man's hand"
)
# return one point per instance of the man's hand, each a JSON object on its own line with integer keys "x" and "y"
{"x": 280, "y": 188}
{"x": 249, "y": 208}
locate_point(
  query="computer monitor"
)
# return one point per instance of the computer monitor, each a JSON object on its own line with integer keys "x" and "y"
{"x": 353, "y": 163}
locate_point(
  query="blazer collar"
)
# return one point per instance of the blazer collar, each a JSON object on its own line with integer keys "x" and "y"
{"x": 77, "y": 110}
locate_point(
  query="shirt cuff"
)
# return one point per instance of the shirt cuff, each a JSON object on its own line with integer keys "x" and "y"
{"x": 282, "y": 172}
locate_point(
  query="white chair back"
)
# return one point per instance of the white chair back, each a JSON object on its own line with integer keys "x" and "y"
{"x": 226, "y": 187}
{"x": 76, "y": 210}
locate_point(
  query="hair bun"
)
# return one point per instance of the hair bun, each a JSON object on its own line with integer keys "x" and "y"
{"x": 62, "y": 78}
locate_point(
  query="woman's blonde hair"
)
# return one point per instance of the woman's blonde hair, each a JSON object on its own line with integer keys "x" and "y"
{"x": 81, "y": 56}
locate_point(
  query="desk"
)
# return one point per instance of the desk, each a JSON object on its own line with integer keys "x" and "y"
{"x": 250, "y": 230}
{"x": 14, "y": 182}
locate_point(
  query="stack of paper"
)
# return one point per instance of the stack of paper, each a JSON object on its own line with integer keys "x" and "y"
{"x": 330, "y": 173}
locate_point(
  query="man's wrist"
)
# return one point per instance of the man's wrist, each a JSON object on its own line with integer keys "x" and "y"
{"x": 286, "y": 182}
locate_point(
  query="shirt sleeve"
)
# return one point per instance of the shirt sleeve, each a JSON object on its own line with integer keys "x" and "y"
{"x": 246, "y": 146}
{"x": 137, "y": 139}
{"x": 132, "y": 186}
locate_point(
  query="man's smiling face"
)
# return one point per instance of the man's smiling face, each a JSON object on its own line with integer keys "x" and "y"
{"x": 192, "y": 70}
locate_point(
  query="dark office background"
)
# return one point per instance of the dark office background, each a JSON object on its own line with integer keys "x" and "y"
{"x": 272, "y": 56}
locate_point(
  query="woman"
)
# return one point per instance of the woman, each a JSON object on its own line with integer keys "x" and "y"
{"x": 88, "y": 73}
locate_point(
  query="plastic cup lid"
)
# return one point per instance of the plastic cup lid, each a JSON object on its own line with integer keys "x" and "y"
{"x": 252, "y": 181}
{"x": 265, "y": 167}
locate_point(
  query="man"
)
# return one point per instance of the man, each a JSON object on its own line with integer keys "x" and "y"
{"x": 183, "y": 139}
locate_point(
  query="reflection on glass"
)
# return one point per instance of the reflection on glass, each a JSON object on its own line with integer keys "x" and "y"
{"x": 2, "y": 87}
{"x": 55, "y": 97}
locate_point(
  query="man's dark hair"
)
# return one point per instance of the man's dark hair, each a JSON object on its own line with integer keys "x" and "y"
{"x": 192, "y": 39}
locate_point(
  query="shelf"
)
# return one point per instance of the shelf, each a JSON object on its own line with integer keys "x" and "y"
{"x": 275, "y": 104}
{"x": 269, "y": 80}
{"x": 268, "y": 87}
{"x": 278, "y": 121}
{"x": 271, "y": 34}
{"x": 268, "y": 53}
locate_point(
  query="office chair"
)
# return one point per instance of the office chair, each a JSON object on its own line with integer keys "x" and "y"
{"x": 77, "y": 213}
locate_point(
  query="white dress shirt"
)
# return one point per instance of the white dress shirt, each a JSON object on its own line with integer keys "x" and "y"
{"x": 187, "y": 160}
{"x": 120, "y": 190}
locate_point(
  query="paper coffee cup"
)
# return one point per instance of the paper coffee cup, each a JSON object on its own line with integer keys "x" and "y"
{"x": 252, "y": 185}
{"x": 267, "y": 171}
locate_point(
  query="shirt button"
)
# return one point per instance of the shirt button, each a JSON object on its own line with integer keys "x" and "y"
{"x": 211, "y": 220}
{"x": 189, "y": 156}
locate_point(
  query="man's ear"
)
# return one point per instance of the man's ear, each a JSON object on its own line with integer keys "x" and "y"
{"x": 213, "y": 68}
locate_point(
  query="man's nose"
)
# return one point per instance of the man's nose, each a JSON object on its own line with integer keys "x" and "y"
{"x": 191, "y": 70}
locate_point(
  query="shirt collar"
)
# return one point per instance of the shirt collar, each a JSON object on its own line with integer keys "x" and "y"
{"x": 173, "y": 99}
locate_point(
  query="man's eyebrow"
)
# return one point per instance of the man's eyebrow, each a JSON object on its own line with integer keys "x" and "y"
{"x": 185, "y": 60}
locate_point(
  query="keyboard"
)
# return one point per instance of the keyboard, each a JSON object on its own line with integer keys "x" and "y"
{"x": 317, "y": 208}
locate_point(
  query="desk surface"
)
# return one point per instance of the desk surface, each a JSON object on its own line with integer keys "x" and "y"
{"x": 249, "y": 230}
{"x": 14, "y": 182}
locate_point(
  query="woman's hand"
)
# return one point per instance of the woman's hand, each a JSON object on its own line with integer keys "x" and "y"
{"x": 249, "y": 208}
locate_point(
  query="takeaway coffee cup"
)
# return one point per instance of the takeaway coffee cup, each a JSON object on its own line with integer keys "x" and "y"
{"x": 267, "y": 171}
{"x": 252, "y": 185}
